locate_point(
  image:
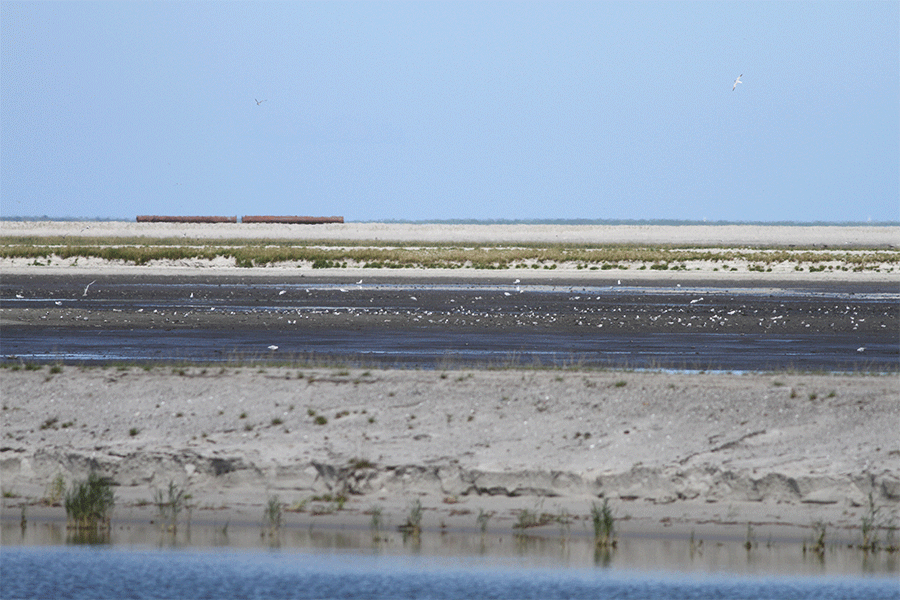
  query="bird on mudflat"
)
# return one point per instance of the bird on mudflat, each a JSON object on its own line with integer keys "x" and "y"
{"x": 737, "y": 81}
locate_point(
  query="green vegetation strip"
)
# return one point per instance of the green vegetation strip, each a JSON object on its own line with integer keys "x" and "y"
{"x": 377, "y": 254}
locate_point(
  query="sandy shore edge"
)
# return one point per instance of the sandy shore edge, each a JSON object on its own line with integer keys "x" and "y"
{"x": 674, "y": 453}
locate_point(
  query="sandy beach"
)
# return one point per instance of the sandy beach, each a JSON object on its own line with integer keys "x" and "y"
{"x": 701, "y": 235}
{"x": 672, "y": 452}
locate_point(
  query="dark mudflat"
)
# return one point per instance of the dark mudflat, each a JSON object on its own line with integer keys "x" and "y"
{"x": 426, "y": 323}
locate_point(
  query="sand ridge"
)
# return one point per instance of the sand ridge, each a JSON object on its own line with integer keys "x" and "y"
{"x": 700, "y": 448}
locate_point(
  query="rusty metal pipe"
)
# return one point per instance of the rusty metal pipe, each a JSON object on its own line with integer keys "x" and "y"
{"x": 175, "y": 219}
{"x": 301, "y": 220}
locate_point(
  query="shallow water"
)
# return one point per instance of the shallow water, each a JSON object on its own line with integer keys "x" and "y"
{"x": 415, "y": 349}
{"x": 572, "y": 547}
{"x": 142, "y": 560}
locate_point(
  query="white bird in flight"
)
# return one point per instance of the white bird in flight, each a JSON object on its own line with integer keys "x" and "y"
{"x": 737, "y": 81}
{"x": 258, "y": 102}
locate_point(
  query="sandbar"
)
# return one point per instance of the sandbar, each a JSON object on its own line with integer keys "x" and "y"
{"x": 673, "y": 452}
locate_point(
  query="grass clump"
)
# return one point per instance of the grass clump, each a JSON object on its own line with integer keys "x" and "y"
{"x": 376, "y": 524}
{"x": 334, "y": 503}
{"x": 358, "y": 464}
{"x": 873, "y": 522}
{"x": 604, "y": 522}
{"x": 818, "y": 547}
{"x": 298, "y": 506}
{"x": 413, "y": 525}
{"x": 537, "y": 518}
{"x": 750, "y": 541}
{"x": 89, "y": 503}
{"x": 482, "y": 520}
{"x": 56, "y": 490}
{"x": 272, "y": 514}
{"x": 170, "y": 503}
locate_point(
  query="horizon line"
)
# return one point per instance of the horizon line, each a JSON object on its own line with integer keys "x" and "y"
{"x": 534, "y": 221}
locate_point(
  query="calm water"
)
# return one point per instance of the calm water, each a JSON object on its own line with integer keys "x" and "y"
{"x": 104, "y": 572}
{"x": 135, "y": 572}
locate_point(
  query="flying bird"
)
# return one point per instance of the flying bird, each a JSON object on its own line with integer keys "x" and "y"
{"x": 737, "y": 81}
{"x": 258, "y": 102}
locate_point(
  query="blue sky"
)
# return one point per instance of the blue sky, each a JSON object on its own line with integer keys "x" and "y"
{"x": 451, "y": 110}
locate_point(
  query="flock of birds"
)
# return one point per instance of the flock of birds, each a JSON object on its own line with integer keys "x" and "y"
{"x": 483, "y": 309}
{"x": 515, "y": 306}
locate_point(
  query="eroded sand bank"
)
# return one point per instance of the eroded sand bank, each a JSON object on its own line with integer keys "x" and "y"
{"x": 668, "y": 450}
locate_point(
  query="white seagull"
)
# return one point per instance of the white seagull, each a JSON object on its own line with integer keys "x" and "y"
{"x": 737, "y": 81}
{"x": 258, "y": 102}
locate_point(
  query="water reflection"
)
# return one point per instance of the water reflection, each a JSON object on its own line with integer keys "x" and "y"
{"x": 87, "y": 536}
{"x": 570, "y": 550}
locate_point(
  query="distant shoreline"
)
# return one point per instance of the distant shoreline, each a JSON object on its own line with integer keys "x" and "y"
{"x": 548, "y": 252}
{"x": 609, "y": 222}
{"x": 720, "y": 235}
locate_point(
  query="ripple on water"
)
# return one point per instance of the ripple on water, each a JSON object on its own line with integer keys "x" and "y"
{"x": 92, "y": 572}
